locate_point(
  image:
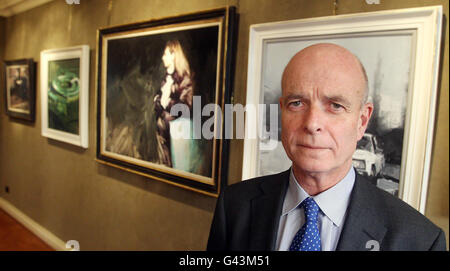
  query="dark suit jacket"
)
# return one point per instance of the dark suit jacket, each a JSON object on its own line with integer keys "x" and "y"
{"x": 248, "y": 213}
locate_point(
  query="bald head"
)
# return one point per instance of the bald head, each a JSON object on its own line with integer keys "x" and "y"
{"x": 328, "y": 62}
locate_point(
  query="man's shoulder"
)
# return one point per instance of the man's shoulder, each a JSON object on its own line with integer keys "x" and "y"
{"x": 254, "y": 186}
{"x": 395, "y": 211}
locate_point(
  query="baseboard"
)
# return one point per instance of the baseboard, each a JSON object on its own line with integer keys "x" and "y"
{"x": 41, "y": 232}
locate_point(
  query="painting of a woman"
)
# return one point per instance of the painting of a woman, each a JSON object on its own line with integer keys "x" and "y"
{"x": 176, "y": 87}
{"x": 154, "y": 85}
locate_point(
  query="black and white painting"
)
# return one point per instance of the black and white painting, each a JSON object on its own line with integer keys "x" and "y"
{"x": 387, "y": 60}
{"x": 400, "y": 50}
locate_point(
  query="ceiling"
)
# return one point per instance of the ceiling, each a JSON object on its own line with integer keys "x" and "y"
{"x": 13, "y": 7}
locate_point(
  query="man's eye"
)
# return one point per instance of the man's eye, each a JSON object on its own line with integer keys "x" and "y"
{"x": 295, "y": 103}
{"x": 336, "y": 106}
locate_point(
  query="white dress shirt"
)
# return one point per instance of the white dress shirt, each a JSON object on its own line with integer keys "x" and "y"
{"x": 333, "y": 207}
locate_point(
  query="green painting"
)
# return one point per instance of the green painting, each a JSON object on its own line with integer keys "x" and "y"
{"x": 63, "y": 95}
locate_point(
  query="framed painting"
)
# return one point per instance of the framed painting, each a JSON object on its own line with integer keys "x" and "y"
{"x": 400, "y": 52}
{"x": 65, "y": 94}
{"x": 20, "y": 91}
{"x": 161, "y": 86}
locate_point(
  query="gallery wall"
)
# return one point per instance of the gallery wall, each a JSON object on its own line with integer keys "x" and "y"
{"x": 2, "y": 44}
{"x": 65, "y": 190}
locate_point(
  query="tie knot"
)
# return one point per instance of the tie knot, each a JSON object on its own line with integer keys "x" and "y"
{"x": 311, "y": 209}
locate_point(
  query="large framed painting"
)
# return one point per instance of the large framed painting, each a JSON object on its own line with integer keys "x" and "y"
{"x": 161, "y": 86}
{"x": 20, "y": 92}
{"x": 400, "y": 51}
{"x": 65, "y": 94}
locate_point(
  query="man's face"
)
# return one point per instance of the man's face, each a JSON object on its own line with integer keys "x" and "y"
{"x": 322, "y": 114}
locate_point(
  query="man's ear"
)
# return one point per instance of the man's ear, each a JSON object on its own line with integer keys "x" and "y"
{"x": 364, "y": 117}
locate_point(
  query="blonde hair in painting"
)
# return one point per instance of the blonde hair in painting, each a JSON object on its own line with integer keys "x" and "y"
{"x": 181, "y": 63}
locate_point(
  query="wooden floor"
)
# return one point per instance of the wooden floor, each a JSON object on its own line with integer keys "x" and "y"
{"x": 15, "y": 237}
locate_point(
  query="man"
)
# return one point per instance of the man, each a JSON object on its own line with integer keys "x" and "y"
{"x": 321, "y": 203}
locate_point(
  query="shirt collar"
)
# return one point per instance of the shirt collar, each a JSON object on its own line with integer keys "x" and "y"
{"x": 332, "y": 202}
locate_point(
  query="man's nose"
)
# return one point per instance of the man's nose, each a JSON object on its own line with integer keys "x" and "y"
{"x": 313, "y": 120}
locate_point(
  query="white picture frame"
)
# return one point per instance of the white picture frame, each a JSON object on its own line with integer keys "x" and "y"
{"x": 65, "y": 79}
{"x": 421, "y": 27}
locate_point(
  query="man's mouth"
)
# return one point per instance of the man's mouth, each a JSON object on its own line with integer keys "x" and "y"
{"x": 308, "y": 146}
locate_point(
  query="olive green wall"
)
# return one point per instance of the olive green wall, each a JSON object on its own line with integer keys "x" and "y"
{"x": 62, "y": 187}
{"x": 2, "y": 48}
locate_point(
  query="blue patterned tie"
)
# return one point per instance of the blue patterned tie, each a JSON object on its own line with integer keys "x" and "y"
{"x": 308, "y": 237}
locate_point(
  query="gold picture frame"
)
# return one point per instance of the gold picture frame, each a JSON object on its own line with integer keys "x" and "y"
{"x": 144, "y": 71}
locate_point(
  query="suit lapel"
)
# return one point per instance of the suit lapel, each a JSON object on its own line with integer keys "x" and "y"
{"x": 364, "y": 222}
{"x": 266, "y": 212}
